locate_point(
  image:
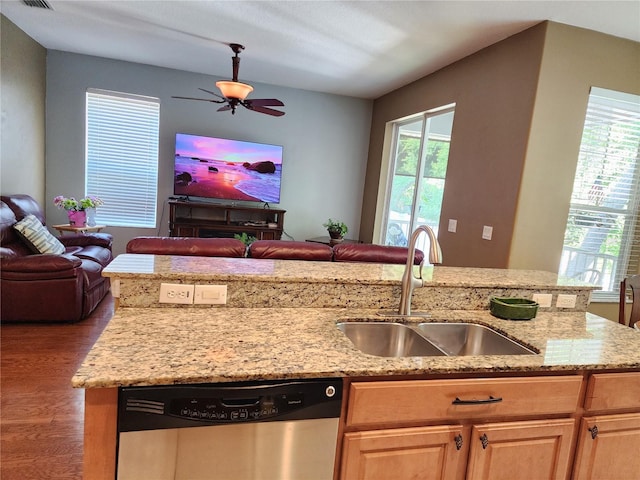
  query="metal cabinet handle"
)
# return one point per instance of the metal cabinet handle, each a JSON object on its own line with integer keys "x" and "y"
{"x": 594, "y": 432}
{"x": 458, "y": 440}
{"x": 491, "y": 399}
{"x": 484, "y": 440}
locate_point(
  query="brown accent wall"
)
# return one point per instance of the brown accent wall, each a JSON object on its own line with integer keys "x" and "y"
{"x": 494, "y": 92}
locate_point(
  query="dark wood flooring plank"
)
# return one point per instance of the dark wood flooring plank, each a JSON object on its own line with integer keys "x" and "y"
{"x": 41, "y": 415}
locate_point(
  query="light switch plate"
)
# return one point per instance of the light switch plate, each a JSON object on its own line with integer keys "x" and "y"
{"x": 487, "y": 232}
{"x": 210, "y": 295}
{"x": 453, "y": 225}
{"x": 566, "y": 301}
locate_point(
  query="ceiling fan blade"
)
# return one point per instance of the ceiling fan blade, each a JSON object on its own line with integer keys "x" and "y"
{"x": 212, "y": 93}
{"x": 225, "y": 108}
{"x": 264, "y": 102}
{"x": 200, "y": 99}
{"x": 268, "y": 111}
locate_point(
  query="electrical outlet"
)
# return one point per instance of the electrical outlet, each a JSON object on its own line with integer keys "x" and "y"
{"x": 210, "y": 294}
{"x": 453, "y": 225}
{"x": 176, "y": 293}
{"x": 487, "y": 232}
{"x": 544, "y": 299}
{"x": 566, "y": 301}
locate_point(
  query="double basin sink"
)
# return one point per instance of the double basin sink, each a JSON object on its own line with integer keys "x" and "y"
{"x": 386, "y": 339}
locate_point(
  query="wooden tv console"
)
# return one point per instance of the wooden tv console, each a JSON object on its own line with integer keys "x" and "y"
{"x": 199, "y": 219}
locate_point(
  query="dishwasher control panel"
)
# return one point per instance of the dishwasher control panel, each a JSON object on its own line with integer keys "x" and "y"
{"x": 236, "y": 409}
{"x": 148, "y": 408}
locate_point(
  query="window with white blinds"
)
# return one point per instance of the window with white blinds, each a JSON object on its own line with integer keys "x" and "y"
{"x": 122, "y": 157}
{"x": 601, "y": 243}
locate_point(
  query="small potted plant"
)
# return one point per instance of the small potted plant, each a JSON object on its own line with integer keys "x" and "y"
{"x": 77, "y": 209}
{"x": 337, "y": 230}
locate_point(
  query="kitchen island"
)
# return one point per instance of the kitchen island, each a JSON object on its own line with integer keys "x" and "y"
{"x": 154, "y": 344}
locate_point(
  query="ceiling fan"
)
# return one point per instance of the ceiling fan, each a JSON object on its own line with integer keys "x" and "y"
{"x": 235, "y": 93}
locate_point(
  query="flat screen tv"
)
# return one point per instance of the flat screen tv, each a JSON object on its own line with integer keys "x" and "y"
{"x": 224, "y": 169}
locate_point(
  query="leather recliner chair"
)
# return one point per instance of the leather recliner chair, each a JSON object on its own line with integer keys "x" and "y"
{"x": 37, "y": 287}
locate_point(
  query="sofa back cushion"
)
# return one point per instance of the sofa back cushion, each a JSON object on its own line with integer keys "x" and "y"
{"x": 290, "y": 250}
{"x": 204, "y": 247}
{"x": 10, "y": 243}
{"x": 23, "y": 205}
{"x": 364, "y": 252}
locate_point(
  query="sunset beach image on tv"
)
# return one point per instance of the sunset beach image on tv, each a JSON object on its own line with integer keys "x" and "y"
{"x": 226, "y": 169}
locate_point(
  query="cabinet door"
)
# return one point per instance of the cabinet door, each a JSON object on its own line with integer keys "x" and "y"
{"x": 608, "y": 448}
{"x": 535, "y": 450}
{"x": 181, "y": 231}
{"x": 420, "y": 453}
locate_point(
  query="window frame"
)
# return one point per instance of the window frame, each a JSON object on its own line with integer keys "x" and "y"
{"x": 604, "y": 109}
{"x": 122, "y": 128}
{"x": 426, "y": 135}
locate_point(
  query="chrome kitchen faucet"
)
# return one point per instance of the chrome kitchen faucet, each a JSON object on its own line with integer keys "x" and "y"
{"x": 409, "y": 280}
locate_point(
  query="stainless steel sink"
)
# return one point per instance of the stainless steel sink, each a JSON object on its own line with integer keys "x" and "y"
{"x": 388, "y": 339}
{"x": 385, "y": 339}
{"x": 471, "y": 339}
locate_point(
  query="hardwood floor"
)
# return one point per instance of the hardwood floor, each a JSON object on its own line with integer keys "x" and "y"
{"x": 41, "y": 416}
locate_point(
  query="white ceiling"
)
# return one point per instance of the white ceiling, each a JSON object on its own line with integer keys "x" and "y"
{"x": 356, "y": 48}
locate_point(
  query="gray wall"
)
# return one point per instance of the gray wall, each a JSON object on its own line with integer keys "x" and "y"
{"x": 22, "y": 88}
{"x": 325, "y": 138}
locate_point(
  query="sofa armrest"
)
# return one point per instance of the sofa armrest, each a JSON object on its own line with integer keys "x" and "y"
{"x": 46, "y": 264}
{"x": 83, "y": 240}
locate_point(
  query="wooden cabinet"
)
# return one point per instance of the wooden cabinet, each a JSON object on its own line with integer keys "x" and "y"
{"x": 608, "y": 442}
{"x": 432, "y": 453}
{"x": 462, "y": 428}
{"x": 608, "y": 448}
{"x": 196, "y": 219}
{"x": 527, "y": 450}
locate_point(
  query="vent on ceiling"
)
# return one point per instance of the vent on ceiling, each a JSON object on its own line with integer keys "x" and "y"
{"x": 37, "y": 4}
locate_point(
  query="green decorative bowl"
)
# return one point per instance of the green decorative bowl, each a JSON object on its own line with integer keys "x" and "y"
{"x": 513, "y": 308}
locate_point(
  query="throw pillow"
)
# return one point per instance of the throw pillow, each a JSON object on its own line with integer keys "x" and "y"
{"x": 38, "y": 236}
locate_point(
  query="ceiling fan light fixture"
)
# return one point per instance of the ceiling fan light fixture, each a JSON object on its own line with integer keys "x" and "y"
{"x": 237, "y": 90}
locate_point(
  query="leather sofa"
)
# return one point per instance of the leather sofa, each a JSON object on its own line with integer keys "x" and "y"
{"x": 48, "y": 287}
{"x": 272, "y": 249}
{"x": 370, "y": 253}
{"x": 189, "y": 246}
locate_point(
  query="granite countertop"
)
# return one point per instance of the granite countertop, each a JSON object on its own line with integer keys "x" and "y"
{"x": 145, "y": 346}
{"x": 141, "y": 266}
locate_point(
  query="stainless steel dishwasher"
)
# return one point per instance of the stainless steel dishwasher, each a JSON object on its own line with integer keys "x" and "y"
{"x": 284, "y": 430}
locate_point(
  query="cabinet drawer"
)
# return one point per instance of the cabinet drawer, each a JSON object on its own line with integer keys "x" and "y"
{"x": 403, "y": 402}
{"x": 610, "y": 391}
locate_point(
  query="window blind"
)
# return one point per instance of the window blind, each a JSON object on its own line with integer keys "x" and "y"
{"x": 601, "y": 242}
{"x": 122, "y": 157}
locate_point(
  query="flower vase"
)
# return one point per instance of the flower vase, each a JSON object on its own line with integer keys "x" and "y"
{"x": 77, "y": 218}
{"x": 91, "y": 216}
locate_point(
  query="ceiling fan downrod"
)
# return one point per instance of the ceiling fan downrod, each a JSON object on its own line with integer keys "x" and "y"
{"x": 237, "y": 48}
